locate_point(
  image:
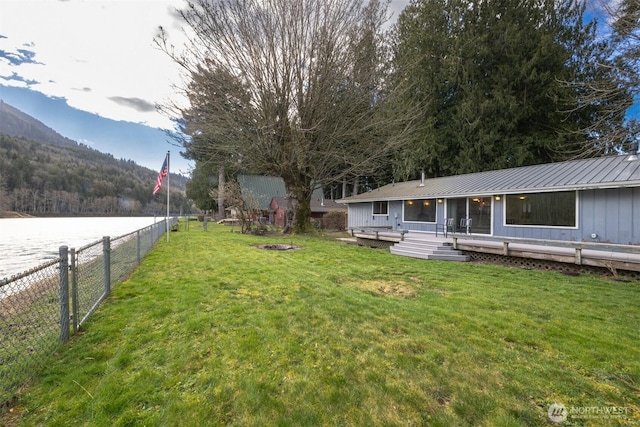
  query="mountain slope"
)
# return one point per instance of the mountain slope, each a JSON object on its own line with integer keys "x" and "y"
{"x": 14, "y": 122}
{"x": 42, "y": 177}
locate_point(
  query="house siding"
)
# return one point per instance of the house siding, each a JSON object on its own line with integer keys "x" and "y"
{"x": 534, "y": 232}
{"x": 609, "y": 213}
{"x": 361, "y": 215}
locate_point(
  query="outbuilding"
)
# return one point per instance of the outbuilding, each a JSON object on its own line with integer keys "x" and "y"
{"x": 588, "y": 200}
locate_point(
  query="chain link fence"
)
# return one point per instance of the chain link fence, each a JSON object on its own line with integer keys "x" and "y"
{"x": 41, "y": 307}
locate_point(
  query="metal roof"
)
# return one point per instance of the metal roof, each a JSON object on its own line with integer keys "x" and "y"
{"x": 318, "y": 205}
{"x": 601, "y": 172}
{"x": 265, "y": 188}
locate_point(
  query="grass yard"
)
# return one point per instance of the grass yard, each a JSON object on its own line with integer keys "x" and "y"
{"x": 211, "y": 330}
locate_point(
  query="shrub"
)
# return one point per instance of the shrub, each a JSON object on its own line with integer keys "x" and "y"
{"x": 335, "y": 220}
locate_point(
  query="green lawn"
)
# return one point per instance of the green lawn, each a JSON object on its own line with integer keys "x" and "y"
{"x": 211, "y": 330}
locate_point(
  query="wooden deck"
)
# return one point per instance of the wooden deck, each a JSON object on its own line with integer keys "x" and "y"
{"x": 376, "y": 237}
{"x": 603, "y": 255}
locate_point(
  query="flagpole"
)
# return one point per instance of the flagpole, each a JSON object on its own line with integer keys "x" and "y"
{"x": 168, "y": 188}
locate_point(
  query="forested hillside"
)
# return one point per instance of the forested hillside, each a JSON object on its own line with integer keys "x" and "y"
{"x": 43, "y": 177}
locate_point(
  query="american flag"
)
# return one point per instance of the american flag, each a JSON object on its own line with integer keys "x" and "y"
{"x": 163, "y": 172}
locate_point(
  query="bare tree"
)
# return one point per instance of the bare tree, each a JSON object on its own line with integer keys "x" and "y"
{"x": 245, "y": 206}
{"x": 289, "y": 88}
{"x": 221, "y": 186}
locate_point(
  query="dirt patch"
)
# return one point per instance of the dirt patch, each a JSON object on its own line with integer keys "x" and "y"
{"x": 397, "y": 289}
{"x": 10, "y": 414}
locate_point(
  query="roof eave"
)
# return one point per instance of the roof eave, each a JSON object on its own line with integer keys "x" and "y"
{"x": 577, "y": 187}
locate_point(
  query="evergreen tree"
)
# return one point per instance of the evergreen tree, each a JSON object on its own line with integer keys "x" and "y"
{"x": 4, "y": 197}
{"x": 489, "y": 79}
{"x": 203, "y": 181}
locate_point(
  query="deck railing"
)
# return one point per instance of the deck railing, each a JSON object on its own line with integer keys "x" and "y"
{"x": 596, "y": 254}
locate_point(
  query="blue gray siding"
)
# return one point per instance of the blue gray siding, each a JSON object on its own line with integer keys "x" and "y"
{"x": 361, "y": 215}
{"x": 534, "y": 232}
{"x": 611, "y": 214}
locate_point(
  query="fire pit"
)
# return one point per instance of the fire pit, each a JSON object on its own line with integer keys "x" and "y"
{"x": 278, "y": 247}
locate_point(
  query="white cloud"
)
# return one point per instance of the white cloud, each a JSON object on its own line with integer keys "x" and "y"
{"x": 99, "y": 55}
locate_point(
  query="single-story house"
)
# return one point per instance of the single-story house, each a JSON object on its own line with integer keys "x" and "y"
{"x": 585, "y": 200}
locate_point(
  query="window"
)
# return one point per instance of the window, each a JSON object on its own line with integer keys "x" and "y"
{"x": 381, "y": 208}
{"x": 423, "y": 210}
{"x": 544, "y": 209}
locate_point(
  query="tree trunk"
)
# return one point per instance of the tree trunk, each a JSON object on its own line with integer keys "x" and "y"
{"x": 302, "y": 220}
{"x": 344, "y": 187}
{"x": 222, "y": 214}
{"x": 300, "y": 190}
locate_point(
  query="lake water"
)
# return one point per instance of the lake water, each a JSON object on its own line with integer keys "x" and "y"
{"x": 28, "y": 242}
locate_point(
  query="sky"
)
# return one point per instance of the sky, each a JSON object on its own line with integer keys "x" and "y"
{"x": 89, "y": 70}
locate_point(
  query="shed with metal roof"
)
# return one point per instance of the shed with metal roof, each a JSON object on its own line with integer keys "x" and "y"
{"x": 264, "y": 189}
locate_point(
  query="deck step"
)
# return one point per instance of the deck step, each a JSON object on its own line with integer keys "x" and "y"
{"x": 434, "y": 246}
{"x": 420, "y": 246}
{"x": 452, "y": 256}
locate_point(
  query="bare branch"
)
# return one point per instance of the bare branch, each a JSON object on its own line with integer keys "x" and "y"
{"x": 290, "y": 88}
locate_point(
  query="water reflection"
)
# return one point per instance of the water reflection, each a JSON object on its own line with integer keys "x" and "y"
{"x": 28, "y": 242}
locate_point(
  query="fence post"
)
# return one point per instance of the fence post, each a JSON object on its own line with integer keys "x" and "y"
{"x": 106, "y": 253}
{"x": 73, "y": 268}
{"x": 64, "y": 294}
{"x": 138, "y": 244}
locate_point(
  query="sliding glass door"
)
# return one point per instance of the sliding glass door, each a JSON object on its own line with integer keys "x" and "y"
{"x": 477, "y": 209}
